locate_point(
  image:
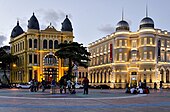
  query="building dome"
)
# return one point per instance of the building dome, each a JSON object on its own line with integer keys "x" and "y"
{"x": 146, "y": 22}
{"x": 122, "y": 25}
{"x": 66, "y": 25}
{"x": 33, "y": 23}
{"x": 17, "y": 30}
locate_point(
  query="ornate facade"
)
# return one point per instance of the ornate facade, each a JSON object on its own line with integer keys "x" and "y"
{"x": 35, "y": 49}
{"x": 131, "y": 57}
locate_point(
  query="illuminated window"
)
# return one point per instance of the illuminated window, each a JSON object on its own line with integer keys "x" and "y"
{"x": 168, "y": 57}
{"x": 120, "y": 43}
{"x": 150, "y": 55}
{"x": 134, "y": 57}
{"x": 97, "y": 50}
{"x": 162, "y": 42}
{"x": 105, "y": 48}
{"x": 151, "y": 41}
{"x": 101, "y": 49}
{"x": 168, "y": 43}
{"x": 134, "y": 44}
{"x": 145, "y": 56}
{"x": 125, "y": 43}
{"x": 145, "y": 41}
{"x": 125, "y": 56}
{"x": 105, "y": 58}
{"x": 120, "y": 56}
{"x": 162, "y": 57}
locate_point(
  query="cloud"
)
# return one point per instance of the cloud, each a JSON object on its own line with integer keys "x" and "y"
{"x": 51, "y": 16}
{"x": 3, "y": 40}
{"x": 107, "y": 28}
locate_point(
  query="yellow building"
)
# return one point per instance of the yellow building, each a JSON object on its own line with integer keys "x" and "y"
{"x": 131, "y": 57}
{"x": 36, "y": 51}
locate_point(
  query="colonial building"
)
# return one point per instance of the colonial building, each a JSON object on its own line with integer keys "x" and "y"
{"x": 131, "y": 57}
{"x": 36, "y": 48}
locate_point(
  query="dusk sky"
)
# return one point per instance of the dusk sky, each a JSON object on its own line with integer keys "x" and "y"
{"x": 91, "y": 19}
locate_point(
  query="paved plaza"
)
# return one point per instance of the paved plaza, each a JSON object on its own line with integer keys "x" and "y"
{"x": 113, "y": 100}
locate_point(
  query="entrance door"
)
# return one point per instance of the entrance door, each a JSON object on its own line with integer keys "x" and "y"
{"x": 134, "y": 79}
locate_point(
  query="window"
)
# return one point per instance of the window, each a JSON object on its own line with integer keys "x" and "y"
{"x": 151, "y": 41}
{"x": 50, "y": 44}
{"x": 55, "y": 44}
{"x": 35, "y": 58}
{"x": 162, "y": 57}
{"x": 168, "y": 43}
{"x": 23, "y": 45}
{"x": 134, "y": 57}
{"x": 120, "y": 56}
{"x": 35, "y": 43}
{"x": 120, "y": 43}
{"x": 168, "y": 57}
{"x": 134, "y": 45}
{"x": 125, "y": 43}
{"x": 150, "y": 55}
{"x": 145, "y": 41}
{"x": 45, "y": 44}
{"x": 65, "y": 41}
{"x": 30, "y": 58}
{"x": 162, "y": 43}
{"x": 30, "y": 43}
{"x": 101, "y": 49}
{"x": 125, "y": 56}
{"x": 145, "y": 55}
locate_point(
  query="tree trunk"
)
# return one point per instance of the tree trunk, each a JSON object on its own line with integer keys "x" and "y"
{"x": 70, "y": 68}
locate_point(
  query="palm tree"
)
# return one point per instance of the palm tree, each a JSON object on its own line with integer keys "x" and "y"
{"x": 75, "y": 53}
{"x": 6, "y": 59}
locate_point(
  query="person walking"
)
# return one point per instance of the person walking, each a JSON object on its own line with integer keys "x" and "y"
{"x": 43, "y": 83}
{"x": 86, "y": 85}
{"x": 53, "y": 85}
{"x": 155, "y": 86}
{"x": 69, "y": 85}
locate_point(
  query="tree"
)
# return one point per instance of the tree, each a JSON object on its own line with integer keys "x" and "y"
{"x": 6, "y": 59}
{"x": 75, "y": 53}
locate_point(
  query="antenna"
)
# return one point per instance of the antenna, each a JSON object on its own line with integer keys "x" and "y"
{"x": 146, "y": 10}
{"x": 122, "y": 13}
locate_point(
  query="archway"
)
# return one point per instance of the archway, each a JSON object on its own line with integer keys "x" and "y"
{"x": 167, "y": 76}
{"x": 50, "y": 67}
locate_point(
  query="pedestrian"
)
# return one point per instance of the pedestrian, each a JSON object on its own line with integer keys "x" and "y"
{"x": 35, "y": 86}
{"x": 155, "y": 86}
{"x": 65, "y": 85}
{"x": 161, "y": 86}
{"x": 69, "y": 85}
{"x": 53, "y": 85}
{"x": 32, "y": 85}
{"x": 43, "y": 85}
{"x": 85, "y": 85}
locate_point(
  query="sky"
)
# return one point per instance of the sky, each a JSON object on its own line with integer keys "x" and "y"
{"x": 91, "y": 19}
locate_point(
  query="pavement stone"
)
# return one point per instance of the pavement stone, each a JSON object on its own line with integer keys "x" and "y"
{"x": 114, "y": 100}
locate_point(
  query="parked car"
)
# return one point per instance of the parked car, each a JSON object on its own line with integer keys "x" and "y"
{"x": 5, "y": 86}
{"x": 102, "y": 87}
{"x": 23, "y": 86}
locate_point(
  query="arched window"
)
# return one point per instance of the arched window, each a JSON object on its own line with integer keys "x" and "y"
{"x": 50, "y": 60}
{"x": 79, "y": 74}
{"x": 167, "y": 76}
{"x": 98, "y": 77}
{"x": 45, "y": 44}
{"x": 50, "y": 44}
{"x": 65, "y": 41}
{"x": 35, "y": 43}
{"x": 55, "y": 44}
{"x": 162, "y": 75}
{"x": 101, "y": 77}
{"x": 30, "y": 43}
